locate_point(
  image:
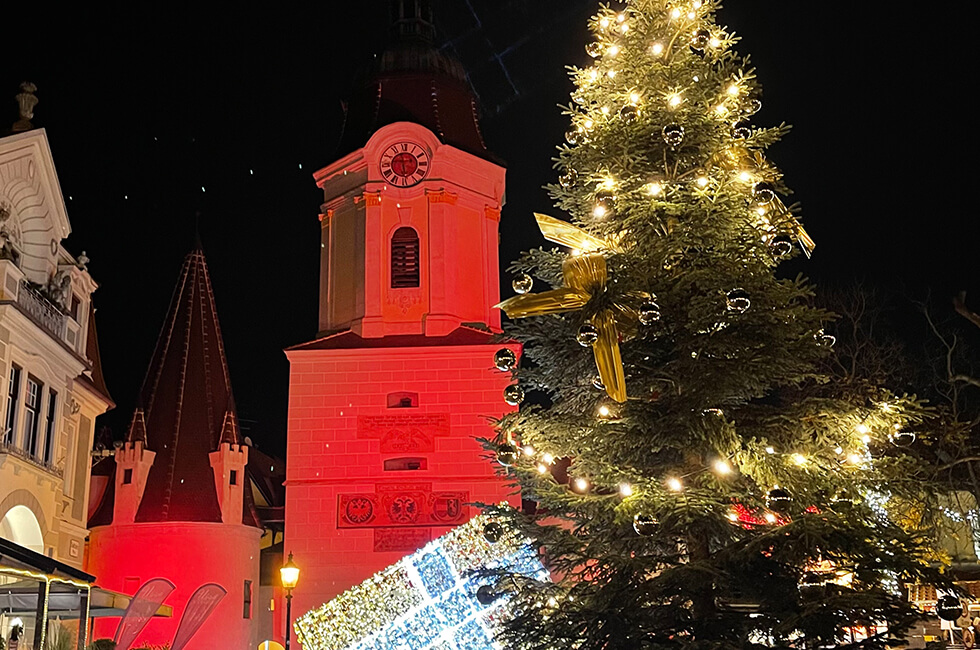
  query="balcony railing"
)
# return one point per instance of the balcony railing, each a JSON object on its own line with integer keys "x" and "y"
{"x": 44, "y": 312}
{"x": 13, "y": 450}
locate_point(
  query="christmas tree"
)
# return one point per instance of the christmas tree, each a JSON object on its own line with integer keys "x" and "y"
{"x": 699, "y": 481}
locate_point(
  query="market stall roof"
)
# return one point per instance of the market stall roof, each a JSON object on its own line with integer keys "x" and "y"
{"x": 15, "y": 556}
{"x": 21, "y": 570}
{"x": 65, "y": 601}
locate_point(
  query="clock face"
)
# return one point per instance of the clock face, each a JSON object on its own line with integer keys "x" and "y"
{"x": 404, "y": 164}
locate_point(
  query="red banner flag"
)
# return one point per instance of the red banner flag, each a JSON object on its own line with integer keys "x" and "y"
{"x": 198, "y": 609}
{"x": 145, "y": 603}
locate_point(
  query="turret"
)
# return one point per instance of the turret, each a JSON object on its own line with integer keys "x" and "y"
{"x": 228, "y": 464}
{"x": 133, "y": 463}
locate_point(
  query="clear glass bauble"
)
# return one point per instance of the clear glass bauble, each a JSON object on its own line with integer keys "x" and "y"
{"x": 673, "y": 135}
{"x": 649, "y": 313}
{"x": 522, "y": 284}
{"x": 587, "y": 335}
{"x": 778, "y": 500}
{"x": 781, "y": 246}
{"x": 763, "y": 193}
{"x": 505, "y": 359}
{"x": 645, "y": 525}
{"x": 514, "y": 394}
{"x": 700, "y": 40}
{"x": 567, "y": 180}
{"x": 738, "y": 301}
{"x": 492, "y": 532}
{"x": 508, "y": 454}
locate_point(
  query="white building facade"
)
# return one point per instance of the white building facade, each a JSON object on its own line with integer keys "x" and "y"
{"x": 51, "y": 389}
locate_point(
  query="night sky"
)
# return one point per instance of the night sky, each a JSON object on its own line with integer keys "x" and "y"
{"x": 145, "y": 107}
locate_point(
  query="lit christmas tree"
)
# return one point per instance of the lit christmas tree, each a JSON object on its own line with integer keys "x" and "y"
{"x": 721, "y": 491}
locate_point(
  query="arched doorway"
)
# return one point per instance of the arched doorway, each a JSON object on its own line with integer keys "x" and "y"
{"x": 19, "y": 525}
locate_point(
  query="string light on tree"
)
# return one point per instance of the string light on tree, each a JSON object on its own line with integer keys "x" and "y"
{"x": 722, "y": 467}
{"x": 679, "y": 231}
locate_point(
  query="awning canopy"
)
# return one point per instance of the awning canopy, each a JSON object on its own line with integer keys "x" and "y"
{"x": 15, "y": 556}
{"x": 65, "y": 601}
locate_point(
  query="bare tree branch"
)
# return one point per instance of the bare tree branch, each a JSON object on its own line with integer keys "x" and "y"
{"x": 959, "y": 304}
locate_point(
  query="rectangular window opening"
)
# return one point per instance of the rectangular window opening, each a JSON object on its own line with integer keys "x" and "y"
{"x": 402, "y": 400}
{"x": 405, "y": 464}
{"x": 49, "y": 427}
{"x": 405, "y": 258}
{"x": 233, "y": 477}
{"x": 32, "y": 414}
{"x": 247, "y": 609}
{"x": 127, "y": 476}
{"x": 13, "y": 391}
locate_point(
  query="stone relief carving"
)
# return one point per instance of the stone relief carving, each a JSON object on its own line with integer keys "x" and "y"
{"x": 59, "y": 290}
{"x": 9, "y": 235}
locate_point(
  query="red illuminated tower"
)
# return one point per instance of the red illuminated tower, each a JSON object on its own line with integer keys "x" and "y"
{"x": 177, "y": 507}
{"x": 386, "y": 405}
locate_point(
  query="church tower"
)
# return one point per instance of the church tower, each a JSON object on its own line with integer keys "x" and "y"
{"x": 178, "y": 506}
{"x": 387, "y": 403}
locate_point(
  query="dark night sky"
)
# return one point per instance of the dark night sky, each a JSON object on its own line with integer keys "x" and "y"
{"x": 143, "y": 108}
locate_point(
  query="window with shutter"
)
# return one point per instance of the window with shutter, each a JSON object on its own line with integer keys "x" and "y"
{"x": 404, "y": 258}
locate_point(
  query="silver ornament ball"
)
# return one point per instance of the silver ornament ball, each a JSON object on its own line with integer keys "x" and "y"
{"x": 514, "y": 394}
{"x": 738, "y": 301}
{"x": 673, "y": 134}
{"x": 587, "y": 335}
{"x": 649, "y": 313}
{"x": 505, "y": 359}
{"x": 507, "y": 455}
{"x": 781, "y": 246}
{"x": 522, "y": 283}
{"x": 763, "y": 193}
{"x": 645, "y": 525}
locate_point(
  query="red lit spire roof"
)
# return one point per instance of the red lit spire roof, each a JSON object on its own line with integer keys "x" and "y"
{"x": 187, "y": 406}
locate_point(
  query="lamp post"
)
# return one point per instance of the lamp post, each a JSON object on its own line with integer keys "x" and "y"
{"x": 289, "y": 576}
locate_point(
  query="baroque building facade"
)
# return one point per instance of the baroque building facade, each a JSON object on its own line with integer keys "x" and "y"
{"x": 52, "y": 386}
{"x": 388, "y": 402}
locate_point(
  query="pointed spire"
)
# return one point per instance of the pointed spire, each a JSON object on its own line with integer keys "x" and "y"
{"x": 137, "y": 428}
{"x": 198, "y": 246}
{"x": 229, "y": 427}
{"x": 187, "y": 402}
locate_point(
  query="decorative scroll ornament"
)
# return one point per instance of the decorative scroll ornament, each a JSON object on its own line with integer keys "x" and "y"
{"x": 585, "y": 276}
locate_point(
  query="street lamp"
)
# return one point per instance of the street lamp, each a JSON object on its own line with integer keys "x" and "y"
{"x": 289, "y": 576}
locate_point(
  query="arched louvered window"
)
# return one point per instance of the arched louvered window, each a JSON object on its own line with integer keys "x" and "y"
{"x": 404, "y": 258}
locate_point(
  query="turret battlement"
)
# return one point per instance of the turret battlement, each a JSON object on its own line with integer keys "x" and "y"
{"x": 131, "y": 453}
{"x": 133, "y": 463}
{"x": 228, "y": 464}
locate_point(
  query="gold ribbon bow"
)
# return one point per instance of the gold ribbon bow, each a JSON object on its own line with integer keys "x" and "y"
{"x": 738, "y": 157}
{"x": 585, "y": 275}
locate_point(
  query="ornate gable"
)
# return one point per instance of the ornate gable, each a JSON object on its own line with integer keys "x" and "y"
{"x": 33, "y": 218}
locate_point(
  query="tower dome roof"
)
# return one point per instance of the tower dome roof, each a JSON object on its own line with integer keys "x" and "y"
{"x": 413, "y": 81}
